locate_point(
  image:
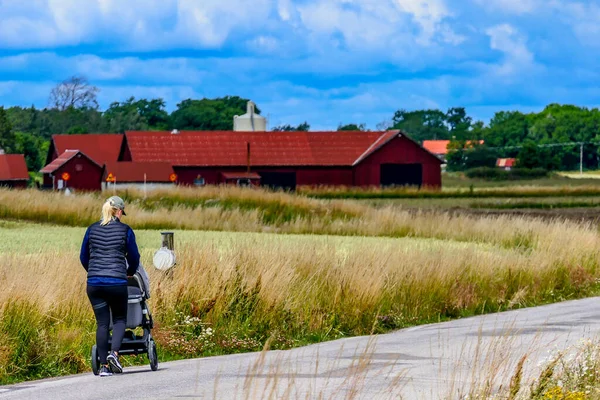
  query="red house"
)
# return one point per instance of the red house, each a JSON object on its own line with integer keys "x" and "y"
{"x": 73, "y": 169}
{"x": 13, "y": 171}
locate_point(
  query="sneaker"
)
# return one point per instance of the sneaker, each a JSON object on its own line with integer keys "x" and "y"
{"x": 104, "y": 371}
{"x": 113, "y": 361}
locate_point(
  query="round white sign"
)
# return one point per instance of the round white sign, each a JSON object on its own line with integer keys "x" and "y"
{"x": 164, "y": 259}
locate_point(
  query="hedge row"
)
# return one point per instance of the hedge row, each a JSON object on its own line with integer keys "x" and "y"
{"x": 497, "y": 174}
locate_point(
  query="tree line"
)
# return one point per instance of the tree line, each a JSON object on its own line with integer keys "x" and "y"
{"x": 73, "y": 109}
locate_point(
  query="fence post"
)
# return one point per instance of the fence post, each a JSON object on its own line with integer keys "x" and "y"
{"x": 168, "y": 240}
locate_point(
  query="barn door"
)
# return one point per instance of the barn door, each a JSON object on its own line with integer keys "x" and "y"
{"x": 401, "y": 175}
{"x": 278, "y": 180}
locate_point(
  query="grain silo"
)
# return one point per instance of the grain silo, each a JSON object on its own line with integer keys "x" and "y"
{"x": 249, "y": 122}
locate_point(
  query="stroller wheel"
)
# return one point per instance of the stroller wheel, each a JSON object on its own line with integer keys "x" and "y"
{"x": 152, "y": 355}
{"x": 95, "y": 360}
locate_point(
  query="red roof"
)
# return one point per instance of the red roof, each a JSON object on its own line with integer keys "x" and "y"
{"x": 436, "y": 146}
{"x": 441, "y": 146}
{"x": 62, "y": 160}
{"x": 506, "y": 162}
{"x": 134, "y": 171}
{"x": 100, "y": 148}
{"x": 13, "y": 167}
{"x": 228, "y": 148}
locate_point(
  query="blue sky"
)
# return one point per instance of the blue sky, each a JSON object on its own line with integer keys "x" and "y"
{"x": 322, "y": 61}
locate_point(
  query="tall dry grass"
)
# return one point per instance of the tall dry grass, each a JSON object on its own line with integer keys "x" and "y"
{"x": 243, "y": 210}
{"x": 291, "y": 290}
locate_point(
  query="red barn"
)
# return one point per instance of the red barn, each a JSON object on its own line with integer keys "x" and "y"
{"x": 288, "y": 159}
{"x": 273, "y": 159}
{"x": 13, "y": 171}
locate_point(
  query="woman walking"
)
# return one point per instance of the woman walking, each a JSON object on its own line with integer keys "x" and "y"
{"x": 109, "y": 254}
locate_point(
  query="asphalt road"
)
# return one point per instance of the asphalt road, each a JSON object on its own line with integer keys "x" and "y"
{"x": 445, "y": 360}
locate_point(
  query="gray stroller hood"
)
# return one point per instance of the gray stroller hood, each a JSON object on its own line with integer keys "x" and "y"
{"x": 141, "y": 276}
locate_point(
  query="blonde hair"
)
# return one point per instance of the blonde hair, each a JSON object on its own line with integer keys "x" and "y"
{"x": 108, "y": 212}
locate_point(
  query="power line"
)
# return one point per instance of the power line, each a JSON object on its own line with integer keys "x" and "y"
{"x": 545, "y": 145}
{"x": 580, "y": 144}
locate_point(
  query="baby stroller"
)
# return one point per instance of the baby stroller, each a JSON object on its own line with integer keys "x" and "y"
{"x": 138, "y": 315}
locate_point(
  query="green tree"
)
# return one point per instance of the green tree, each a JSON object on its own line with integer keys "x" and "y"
{"x": 459, "y": 123}
{"x": 464, "y": 155}
{"x": 154, "y": 112}
{"x": 479, "y": 156}
{"x": 303, "y": 127}
{"x": 507, "y": 128}
{"x": 125, "y": 116}
{"x": 209, "y": 114}
{"x": 421, "y": 125}
{"x": 135, "y": 114}
{"x": 33, "y": 147}
{"x": 533, "y": 156}
{"x": 6, "y": 133}
{"x": 352, "y": 127}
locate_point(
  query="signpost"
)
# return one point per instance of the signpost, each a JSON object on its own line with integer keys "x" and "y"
{"x": 112, "y": 178}
{"x": 65, "y": 178}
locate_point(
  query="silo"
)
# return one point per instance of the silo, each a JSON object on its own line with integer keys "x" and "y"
{"x": 249, "y": 122}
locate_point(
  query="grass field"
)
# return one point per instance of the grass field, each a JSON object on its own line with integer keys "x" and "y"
{"x": 246, "y": 273}
{"x": 255, "y": 266}
{"x": 457, "y": 180}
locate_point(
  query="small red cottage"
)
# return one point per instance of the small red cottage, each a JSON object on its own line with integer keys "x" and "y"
{"x": 506, "y": 163}
{"x": 75, "y": 170}
{"x": 13, "y": 171}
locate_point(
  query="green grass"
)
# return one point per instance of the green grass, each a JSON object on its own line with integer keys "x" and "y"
{"x": 27, "y": 238}
{"x": 452, "y": 180}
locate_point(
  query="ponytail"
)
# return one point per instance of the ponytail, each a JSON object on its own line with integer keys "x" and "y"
{"x": 108, "y": 212}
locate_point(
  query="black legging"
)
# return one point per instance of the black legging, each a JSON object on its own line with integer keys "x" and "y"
{"x": 105, "y": 299}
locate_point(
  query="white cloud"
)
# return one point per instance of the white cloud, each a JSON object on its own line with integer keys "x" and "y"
{"x": 427, "y": 13}
{"x": 284, "y": 9}
{"x": 584, "y": 20}
{"x": 449, "y": 36}
{"x": 325, "y": 61}
{"x": 137, "y": 24}
{"x": 381, "y": 25}
{"x": 359, "y": 29}
{"x": 517, "y": 57}
{"x": 264, "y": 44}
